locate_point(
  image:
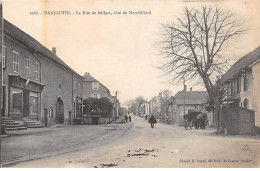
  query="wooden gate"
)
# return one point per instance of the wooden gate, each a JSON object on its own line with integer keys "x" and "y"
{"x": 239, "y": 121}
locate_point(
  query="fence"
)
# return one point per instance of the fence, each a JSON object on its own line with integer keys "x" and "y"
{"x": 239, "y": 121}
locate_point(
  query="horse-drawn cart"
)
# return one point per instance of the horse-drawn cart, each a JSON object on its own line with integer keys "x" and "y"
{"x": 195, "y": 118}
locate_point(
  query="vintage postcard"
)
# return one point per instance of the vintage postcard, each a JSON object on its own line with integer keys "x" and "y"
{"x": 130, "y": 84}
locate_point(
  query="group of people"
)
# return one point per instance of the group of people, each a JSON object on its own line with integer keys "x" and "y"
{"x": 151, "y": 120}
{"x": 128, "y": 117}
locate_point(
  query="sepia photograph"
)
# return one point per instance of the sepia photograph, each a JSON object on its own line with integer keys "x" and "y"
{"x": 130, "y": 84}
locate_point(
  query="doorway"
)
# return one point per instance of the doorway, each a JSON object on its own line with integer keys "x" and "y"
{"x": 4, "y": 96}
{"x": 45, "y": 117}
{"x": 59, "y": 111}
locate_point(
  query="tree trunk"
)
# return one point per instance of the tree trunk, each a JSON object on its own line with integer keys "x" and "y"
{"x": 213, "y": 92}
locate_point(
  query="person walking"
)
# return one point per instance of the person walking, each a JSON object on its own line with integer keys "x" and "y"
{"x": 126, "y": 118}
{"x": 129, "y": 118}
{"x": 152, "y": 121}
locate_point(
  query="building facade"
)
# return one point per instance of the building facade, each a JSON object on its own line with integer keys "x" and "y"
{"x": 242, "y": 83}
{"x": 38, "y": 85}
{"x": 93, "y": 88}
{"x": 183, "y": 101}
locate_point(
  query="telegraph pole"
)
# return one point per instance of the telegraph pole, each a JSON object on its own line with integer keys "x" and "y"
{"x": 184, "y": 91}
{"x": 1, "y": 73}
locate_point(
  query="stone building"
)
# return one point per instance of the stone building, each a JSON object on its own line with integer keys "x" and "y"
{"x": 38, "y": 85}
{"x": 183, "y": 101}
{"x": 93, "y": 88}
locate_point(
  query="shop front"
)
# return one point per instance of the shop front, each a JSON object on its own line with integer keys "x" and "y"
{"x": 24, "y": 98}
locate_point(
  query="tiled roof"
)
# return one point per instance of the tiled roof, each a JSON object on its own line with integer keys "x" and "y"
{"x": 89, "y": 78}
{"x": 242, "y": 64}
{"x": 33, "y": 44}
{"x": 191, "y": 97}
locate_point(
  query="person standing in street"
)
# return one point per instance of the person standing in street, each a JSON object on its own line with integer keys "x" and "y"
{"x": 129, "y": 118}
{"x": 152, "y": 121}
{"x": 126, "y": 118}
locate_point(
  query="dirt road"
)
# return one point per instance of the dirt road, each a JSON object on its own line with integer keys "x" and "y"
{"x": 163, "y": 146}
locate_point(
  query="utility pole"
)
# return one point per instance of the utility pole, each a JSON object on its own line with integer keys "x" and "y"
{"x": 184, "y": 91}
{"x": 1, "y": 73}
{"x": 116, "y": 107}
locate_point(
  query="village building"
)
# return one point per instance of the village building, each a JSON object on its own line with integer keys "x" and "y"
{"x": 95, "y": 89}
{"x": 242, "y": 82}
{"x": 38, "y": 85}
{"x": 154, "y": 107}
{"x": 183, "y": 101}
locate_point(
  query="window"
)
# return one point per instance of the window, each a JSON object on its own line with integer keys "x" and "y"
{"x": 95, "y": 86}
{"x": 4, "y": 52}
{"x": 74, "y": 108}
{"x": 239, "y": 84}
{"x": 95, "y": 95}
{"x": 33, "y": 103}
{"x": 232, "y": 87}
{"x": 245, "y": 103}
{"x": 51, "y": 112}
{"x": 15, "y": 61}
{"x": 235, "y": 86}
{"x": 246, "y": 81}
{"x": 74, "y": 84}
{"x": 36, "y": 70}
{"x": 79, "y": 87}
{"x": 16, "y": 99}
{"x": 27, "y": 67}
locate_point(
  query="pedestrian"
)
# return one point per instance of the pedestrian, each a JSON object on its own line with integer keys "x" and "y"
{"x": 126, "y": 118}
{"x": 129, "y": 118}
{"x": 152, "y": 121}
{"x": 146, "y": 117}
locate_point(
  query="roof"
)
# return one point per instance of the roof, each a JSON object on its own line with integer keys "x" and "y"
{"x": 241, "y": 64}
{"x": 89, "y": 78}
{"x": 33, "y": 44}
{"x": 191, "y": 97}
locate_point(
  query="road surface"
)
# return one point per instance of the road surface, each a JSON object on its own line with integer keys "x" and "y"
{"x": 163, "y": 146}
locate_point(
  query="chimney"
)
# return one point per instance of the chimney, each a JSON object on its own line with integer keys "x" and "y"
{"x": 87, "y": 73}
{"x": 54, "y": 50}
{"x": 185, "y": 87}
{"x": 191, "y": 89}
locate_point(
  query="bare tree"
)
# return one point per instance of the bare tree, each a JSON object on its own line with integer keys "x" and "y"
{"x": 192, "y": 49}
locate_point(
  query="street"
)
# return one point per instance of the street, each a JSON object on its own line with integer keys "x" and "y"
{"x": 140, "y": 147}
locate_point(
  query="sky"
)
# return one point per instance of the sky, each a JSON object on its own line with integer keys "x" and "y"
{"x": 119, "y": 50}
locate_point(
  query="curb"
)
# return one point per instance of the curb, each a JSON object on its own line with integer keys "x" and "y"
{"x": 82, "y": 147}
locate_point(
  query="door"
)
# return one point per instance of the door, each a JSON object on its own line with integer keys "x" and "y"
{"x": 45, "y": 117}
{"x": 4, "y": 96}
{"x": 25, "y": 103}
{"x": 59, "y": 111}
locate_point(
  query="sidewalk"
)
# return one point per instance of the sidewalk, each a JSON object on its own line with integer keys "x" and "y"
{"x": 31, "y": 144}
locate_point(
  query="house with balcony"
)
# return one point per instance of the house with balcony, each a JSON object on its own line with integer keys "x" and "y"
{"x": 242, "y": 82}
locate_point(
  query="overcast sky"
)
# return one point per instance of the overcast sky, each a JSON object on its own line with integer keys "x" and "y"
{"x": 118, "y": 50}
